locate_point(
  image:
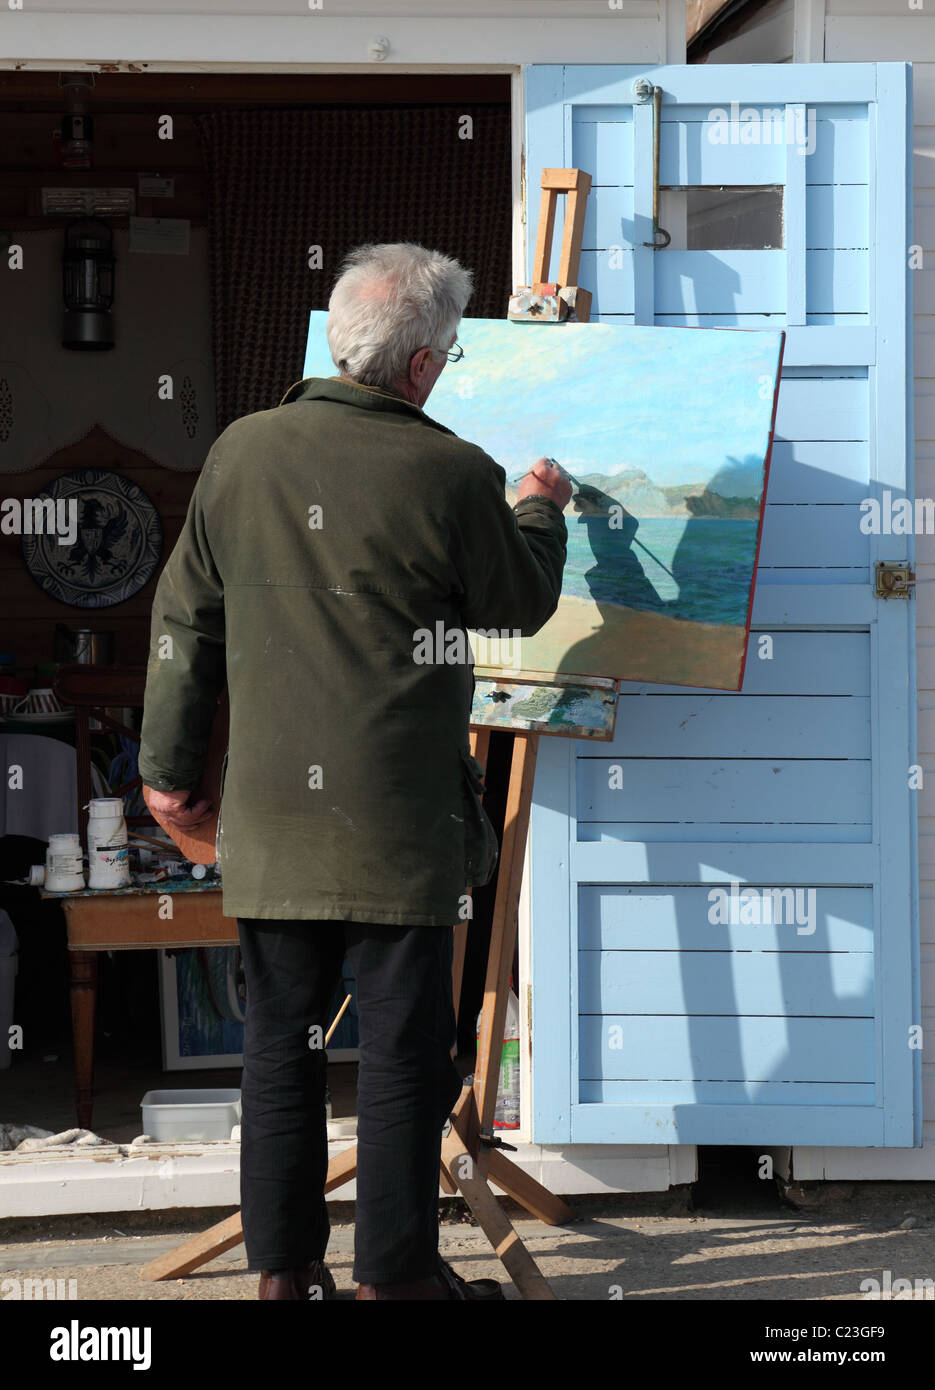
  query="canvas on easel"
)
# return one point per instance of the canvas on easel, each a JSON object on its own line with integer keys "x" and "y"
{"x": 667, "y": 433}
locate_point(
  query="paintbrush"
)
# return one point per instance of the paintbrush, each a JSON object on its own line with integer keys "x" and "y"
{"x": 164, "y": 846}
{"x": 515, "y": 482}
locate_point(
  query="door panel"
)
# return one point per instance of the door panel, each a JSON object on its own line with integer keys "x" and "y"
{"x": 654, "y": 1021}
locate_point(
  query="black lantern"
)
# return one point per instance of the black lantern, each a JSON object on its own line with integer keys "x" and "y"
{"x": 88, "y": 285}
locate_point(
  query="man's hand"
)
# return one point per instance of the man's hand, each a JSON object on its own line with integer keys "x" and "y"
{"x": 547, "y": 479}
{"x": 590, "y": 501}
{"x": 171, "y": 807}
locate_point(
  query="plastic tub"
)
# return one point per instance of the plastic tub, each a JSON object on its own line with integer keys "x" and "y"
{"x": 190, "y": 1114}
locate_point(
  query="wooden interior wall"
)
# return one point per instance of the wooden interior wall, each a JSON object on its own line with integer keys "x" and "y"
{"x": 125, "y": 143}
{"x": 27, "y": 615}
{"x": 125, "y": 108}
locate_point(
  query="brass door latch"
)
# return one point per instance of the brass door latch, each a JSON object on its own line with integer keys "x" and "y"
{"x": 893, "y": 580}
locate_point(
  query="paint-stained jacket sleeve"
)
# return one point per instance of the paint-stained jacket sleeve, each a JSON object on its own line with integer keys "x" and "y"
{"x": 510, "y": 558}
{"x": 186, "y": 668}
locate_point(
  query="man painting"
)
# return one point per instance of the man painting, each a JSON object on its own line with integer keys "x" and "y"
{"x": 322, "y": 536}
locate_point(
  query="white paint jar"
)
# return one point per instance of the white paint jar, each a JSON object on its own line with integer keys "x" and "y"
{"x": 108, "y": 855}
{"x": 64, "y": 871}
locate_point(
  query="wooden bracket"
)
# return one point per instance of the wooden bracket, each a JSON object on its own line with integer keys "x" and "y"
{"x": 547, "y": 301}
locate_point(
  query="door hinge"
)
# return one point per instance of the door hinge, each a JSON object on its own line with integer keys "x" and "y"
{"x": 894, "y": 580}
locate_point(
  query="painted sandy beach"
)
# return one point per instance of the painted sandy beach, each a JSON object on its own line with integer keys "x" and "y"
{"x": 632, "y": 645}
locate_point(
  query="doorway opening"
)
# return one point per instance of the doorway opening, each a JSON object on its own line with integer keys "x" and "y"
{"x": 231, "y": 200}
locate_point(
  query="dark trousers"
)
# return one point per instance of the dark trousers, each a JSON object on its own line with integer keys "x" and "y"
{"x": 407, "y": 1086}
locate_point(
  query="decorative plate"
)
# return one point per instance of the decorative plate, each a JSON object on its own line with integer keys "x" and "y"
{"x": 117, "y": 545}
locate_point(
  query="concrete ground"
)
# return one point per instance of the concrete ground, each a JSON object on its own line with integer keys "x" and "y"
{"x": 719, "y": 1243}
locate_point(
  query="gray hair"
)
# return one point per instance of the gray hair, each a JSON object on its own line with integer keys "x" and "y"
{"x": 387, "y": 303}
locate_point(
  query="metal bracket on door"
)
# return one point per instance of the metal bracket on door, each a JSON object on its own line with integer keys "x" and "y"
{"x": 642, "y": 90}
{"x": 893, "y": 580}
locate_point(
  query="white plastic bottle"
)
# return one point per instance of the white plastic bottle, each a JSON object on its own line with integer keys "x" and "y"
{"x": 64, "y": 872}
{"x": 108, "y": 856}
{"x": 506, "y": 1113}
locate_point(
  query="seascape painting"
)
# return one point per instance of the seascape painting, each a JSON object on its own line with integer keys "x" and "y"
{"x": 666, "y": 433}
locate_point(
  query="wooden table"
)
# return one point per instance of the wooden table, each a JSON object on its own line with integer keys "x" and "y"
{"x": 130, "y": 919}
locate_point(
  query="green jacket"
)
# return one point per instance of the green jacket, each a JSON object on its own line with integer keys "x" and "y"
{"x": 321, "y": 537}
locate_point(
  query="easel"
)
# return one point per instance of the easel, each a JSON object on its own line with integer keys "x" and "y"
{"x": 470, "y": 1152}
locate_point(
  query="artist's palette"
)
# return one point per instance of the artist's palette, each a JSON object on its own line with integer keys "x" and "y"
{"x": 564, "y": 708}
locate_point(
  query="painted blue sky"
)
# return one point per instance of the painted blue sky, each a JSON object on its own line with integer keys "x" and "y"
{"x": 678, "y": 404}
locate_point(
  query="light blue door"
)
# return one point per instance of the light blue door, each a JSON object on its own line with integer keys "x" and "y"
{"x": 651, "y": 1022}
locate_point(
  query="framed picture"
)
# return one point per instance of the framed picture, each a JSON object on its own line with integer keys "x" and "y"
{"x": 202, "y": 1003}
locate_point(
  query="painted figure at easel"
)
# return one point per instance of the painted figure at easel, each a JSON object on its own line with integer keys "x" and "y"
{"x": 322, "y": 537}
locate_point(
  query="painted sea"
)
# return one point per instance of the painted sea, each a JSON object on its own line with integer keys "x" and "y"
{"x": 666, "y": 434}
{"x": 672, "y": 571}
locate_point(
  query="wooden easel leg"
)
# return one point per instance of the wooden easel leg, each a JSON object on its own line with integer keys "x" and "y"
{"x": 523, "y": 1189}
{"x": 493, "y": 1221}
{"x": 342, "y": 1168}
{"x": 195, "y": 1252}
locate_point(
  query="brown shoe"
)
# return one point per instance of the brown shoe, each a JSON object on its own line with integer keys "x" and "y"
{"x": 310, "y": 1283}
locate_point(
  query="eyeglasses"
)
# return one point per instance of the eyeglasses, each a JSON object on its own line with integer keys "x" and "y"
{"x": 454, "y": 354}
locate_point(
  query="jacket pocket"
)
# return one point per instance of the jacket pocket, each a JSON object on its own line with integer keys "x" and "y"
{"x": 480, "y": 839}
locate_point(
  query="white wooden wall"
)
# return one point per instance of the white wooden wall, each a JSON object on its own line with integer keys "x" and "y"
{"x": 854, "y": 31}
{"x": 308, "y": 35}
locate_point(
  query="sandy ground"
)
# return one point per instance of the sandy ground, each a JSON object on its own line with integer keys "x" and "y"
{"x": 641, "y": 1249}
